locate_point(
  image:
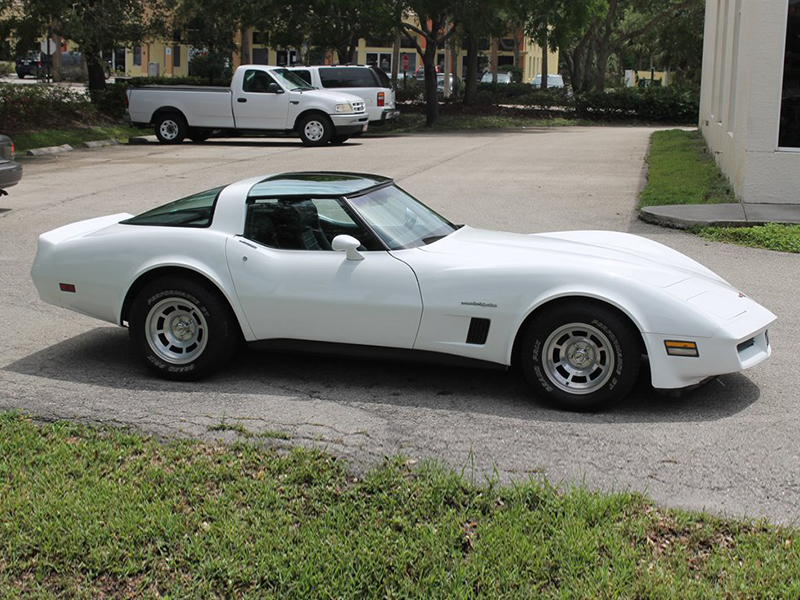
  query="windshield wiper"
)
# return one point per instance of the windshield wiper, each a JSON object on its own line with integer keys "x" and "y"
{"x": 431, "y": 239}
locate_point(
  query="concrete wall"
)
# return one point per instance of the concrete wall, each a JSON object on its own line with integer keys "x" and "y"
{"x": 740, "y": 98}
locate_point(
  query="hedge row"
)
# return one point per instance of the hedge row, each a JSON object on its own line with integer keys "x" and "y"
{"x": 28, "y": 107}
{"x": 672, "y": 104}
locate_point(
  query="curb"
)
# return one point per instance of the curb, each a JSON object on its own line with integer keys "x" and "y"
{"x": 100, "y": 143}
{"x": 48, "y": 150}
{"x": 142, "y": 139}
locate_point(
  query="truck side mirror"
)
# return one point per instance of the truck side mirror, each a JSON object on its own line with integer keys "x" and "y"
{"x": 274, "y": 88}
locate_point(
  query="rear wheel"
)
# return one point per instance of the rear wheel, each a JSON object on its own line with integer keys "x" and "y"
{"x": 171, "y": 128}
{"x": 580, "y": 356}
{"x": 315, "y": 130}
{"x": 181, "y": 329}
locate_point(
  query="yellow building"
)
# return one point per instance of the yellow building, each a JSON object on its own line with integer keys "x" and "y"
{"x": 157, "y": 59}
{"x": 255, "y": 50}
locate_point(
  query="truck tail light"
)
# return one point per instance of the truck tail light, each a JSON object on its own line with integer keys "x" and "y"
{"x": 381, "y": 99}
{"x": 12, "y": 150}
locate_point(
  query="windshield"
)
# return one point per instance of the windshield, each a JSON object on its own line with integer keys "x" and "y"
{"x": 291, "y": 80}
{"x": 400, "y": 220}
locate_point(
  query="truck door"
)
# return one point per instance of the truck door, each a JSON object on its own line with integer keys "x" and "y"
{"x": 259, "y": 102}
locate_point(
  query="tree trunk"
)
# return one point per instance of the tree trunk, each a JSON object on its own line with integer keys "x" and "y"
{"x": 471, "y": 85}
{"x": 97, "y": 77}
{"x": 544, "y": 59}
{"x": 493, "y": 58}
{"x": 431, "y": 94}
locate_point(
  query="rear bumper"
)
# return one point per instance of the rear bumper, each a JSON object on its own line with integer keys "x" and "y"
{"x": 10, "y": 174}
{"x": 388, "y": 115}
{"x": 350, "y": 124}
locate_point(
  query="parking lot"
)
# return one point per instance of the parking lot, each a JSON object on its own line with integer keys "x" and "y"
{"x": 729, "y": 447}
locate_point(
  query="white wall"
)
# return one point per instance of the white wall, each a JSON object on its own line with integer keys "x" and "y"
{"x": 740, "y": 98}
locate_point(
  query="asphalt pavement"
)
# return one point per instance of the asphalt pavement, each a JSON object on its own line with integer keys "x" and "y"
{"x": 730, "y": 447}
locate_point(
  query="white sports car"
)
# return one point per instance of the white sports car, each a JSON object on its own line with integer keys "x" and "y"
{"x": 350, "y": 263}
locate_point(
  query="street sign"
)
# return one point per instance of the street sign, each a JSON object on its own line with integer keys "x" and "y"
{"x": 405, "y": 62}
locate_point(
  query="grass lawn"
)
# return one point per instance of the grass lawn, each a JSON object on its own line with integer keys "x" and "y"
{"x": 74, "y": 136}
{"x": 89, "y": 513}
{"x": 415, "y": 123}
{"x": 682, "y": 172}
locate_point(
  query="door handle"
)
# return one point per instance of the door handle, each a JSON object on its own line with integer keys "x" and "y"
{"x": 241, "y": 99}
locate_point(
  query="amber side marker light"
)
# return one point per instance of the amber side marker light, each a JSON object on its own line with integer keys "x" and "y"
{"x": 67, "y": 287}
{"x": 675, "y": 348}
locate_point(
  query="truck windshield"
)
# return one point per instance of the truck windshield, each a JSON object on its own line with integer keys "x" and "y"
{"x": 290, "y": 80}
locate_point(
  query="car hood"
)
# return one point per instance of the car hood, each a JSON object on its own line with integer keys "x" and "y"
{"x": 329, "y": 96}
{"x": 612, "y": 252}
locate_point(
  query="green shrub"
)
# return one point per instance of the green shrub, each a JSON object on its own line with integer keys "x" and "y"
{"x": 673, "y": 104}
{"x": 27, "y": 107}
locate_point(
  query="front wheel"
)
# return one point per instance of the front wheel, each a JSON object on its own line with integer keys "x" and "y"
{"x": 315, "y": 130}
{"x": 580, "y": 356}
{"x": 181, "y": 329}
{"x": 171, "y": 128}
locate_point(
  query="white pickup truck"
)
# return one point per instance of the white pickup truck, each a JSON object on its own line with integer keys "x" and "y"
{"x": 261, "y": 99}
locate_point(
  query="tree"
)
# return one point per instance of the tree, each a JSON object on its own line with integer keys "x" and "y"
{"x": 92, "y": 25}
{"x": 478, "y": 19}
{"x": 339, "y": 24}
{"x": 435, "y": 25}
{"x": 209, "y": 26}
{"x": 587, "y": 55}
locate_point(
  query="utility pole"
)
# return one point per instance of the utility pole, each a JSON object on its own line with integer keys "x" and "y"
{"x": 395, "y": 59}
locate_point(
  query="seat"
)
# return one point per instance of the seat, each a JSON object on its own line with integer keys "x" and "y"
{"x": 311, "y": 231}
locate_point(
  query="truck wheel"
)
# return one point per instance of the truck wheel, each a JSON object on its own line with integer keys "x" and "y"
{"x": 315, "y": 130}
{"x": 339, "y": 139}
{"x": 171, "y": 128}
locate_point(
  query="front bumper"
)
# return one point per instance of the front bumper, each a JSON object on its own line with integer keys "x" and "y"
{"x": 350, "y": 124}
{"x": 739, "y": 345}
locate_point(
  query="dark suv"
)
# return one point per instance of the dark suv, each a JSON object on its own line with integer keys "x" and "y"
{"x": 30, "y": 64}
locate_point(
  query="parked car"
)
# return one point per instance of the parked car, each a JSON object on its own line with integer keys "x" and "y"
{"x": 10, "y": 171}
{"x": 501, "y": 77}
{"x": 371, "y": 84}
{"x": 350, "y": 263}
{"x": 440, "y": 82}
{"x": 36, "y": 65}
{"x": 553, "y": 81}
{"x": 261, "y": 99}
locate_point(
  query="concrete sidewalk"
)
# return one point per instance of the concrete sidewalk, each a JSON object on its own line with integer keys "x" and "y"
{"x": 684, "y": 216}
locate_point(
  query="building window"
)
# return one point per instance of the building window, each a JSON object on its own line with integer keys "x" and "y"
{"x": 789, "y": 136}
{"x": 176, "y": 56}
{"x": 260, "y": 38}
{"x": 137, "y": 56}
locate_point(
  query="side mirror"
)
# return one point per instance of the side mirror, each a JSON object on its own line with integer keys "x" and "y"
{"x": 349, "y": 245}
{"x": 274, "y": 88}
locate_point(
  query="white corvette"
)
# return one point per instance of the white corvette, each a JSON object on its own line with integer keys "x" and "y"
{"x": 350, "y": 263}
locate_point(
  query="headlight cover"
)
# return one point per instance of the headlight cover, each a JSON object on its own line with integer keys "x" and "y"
{"x": 344, "y": 108}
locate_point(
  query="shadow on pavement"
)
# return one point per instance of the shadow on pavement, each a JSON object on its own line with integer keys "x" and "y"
{"x": 102, "y": 357}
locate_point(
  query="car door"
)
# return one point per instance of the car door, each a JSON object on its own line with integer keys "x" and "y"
{"x": 259, "y": 102}
{"x": 291, "y": 285}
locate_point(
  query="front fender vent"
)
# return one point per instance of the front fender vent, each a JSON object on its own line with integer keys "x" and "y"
{"x": 478, "y": 331}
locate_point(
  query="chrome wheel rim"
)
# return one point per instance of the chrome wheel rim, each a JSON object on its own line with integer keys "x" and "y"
{"x": 314, "y": 130}
{"x": 176, "y": 331}
{"x": 168, "y": 129}
{"x": 578, "y": 358}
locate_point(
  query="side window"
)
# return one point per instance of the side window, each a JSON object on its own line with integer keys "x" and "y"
{"x": 304, "y": 75}
{"x": 347, "y": 77}
{"x": 256, "y": 81}
{"x": 309, "y": 224}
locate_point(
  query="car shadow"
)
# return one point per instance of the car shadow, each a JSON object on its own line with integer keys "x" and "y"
{"x": 102, "y": 357}
{"x": 264, "y": 143}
